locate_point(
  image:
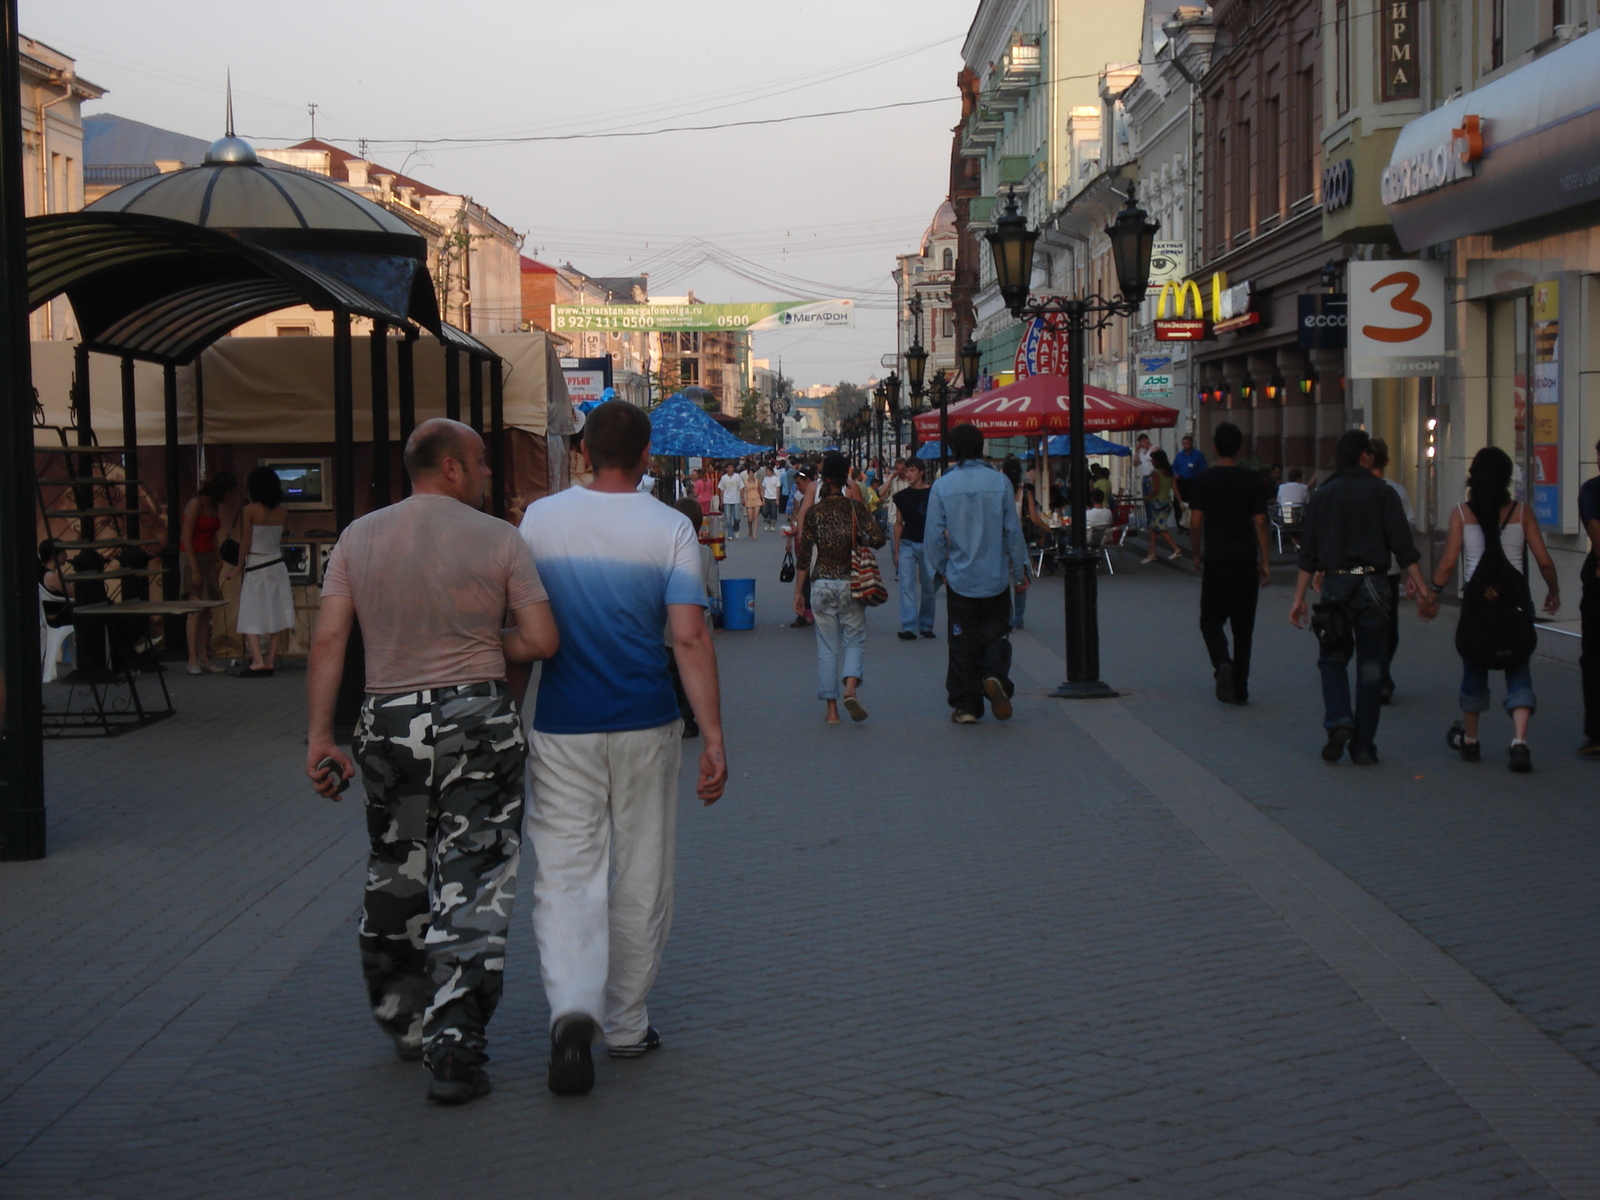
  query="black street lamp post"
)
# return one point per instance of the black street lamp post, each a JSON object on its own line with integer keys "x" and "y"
{"x": 941, "y": 397}
{"x": 891, "y": 399}
{"x": 1011, "y": 243}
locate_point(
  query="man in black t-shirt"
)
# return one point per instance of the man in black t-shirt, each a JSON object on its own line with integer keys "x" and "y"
{"x": 912, "y": 568}
{"x": 1228, "y": 517}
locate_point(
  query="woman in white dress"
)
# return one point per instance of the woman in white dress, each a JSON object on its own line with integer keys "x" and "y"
{"x": 266, "y": 603}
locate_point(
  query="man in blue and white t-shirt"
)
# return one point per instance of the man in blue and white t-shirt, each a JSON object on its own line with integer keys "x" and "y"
{"x": 605, "y": 742}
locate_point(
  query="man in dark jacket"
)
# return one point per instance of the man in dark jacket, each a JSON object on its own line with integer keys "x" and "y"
{"x": 1354, "y": 523}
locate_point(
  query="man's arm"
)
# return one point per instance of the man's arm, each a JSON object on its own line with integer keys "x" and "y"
{"x": 1197, "y": 524}
{"x": 1297, "y": 611}
{"x": 1261, "y": 544}
{"x": 1016, "y": 547}
{"x": 933, "y": 534}
{"x": 697, "y": 667}
{"x": 531, "y": 638}
{"x": 324, "y": 670}
{"x": 1592, "y": 528}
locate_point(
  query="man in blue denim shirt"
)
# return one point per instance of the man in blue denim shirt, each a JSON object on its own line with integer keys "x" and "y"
{"x": 1353, "y": 524}
{"x": 974, "y": 540}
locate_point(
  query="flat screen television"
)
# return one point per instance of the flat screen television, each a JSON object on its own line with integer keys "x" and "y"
{"x": 307, "y": 482}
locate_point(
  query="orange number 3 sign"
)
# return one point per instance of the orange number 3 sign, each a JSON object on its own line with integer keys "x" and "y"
{"x": 1405, "y": 302}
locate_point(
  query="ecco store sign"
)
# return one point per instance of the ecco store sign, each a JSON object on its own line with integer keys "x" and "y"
{"x": 1447, "y": 163}
{"x": 1338, "y": 185}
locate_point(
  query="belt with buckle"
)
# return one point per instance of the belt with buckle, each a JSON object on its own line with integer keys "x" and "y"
{"x": 1356, "y": 571}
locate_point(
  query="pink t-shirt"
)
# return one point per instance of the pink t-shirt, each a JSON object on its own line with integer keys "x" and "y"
{"x": 432, "y": 581}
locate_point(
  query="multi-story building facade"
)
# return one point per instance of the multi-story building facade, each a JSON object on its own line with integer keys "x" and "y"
{"x": 924, "y": 284}
{"x": 630, "y": 351}
{"x": 720, "y": 362}
{"x": 52, "y": 155}
{"x": 1493, "y": 177}
{"x": 1028, "y": 66}
{"x": 1259, "y": 233}
{"x": 1162, "y": 115}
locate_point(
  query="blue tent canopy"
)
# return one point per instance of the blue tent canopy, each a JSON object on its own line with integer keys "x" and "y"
{"x": 1061, "y": 445}
{"x": 680, "y": 429}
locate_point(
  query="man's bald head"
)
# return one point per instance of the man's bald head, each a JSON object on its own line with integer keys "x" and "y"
{"x": 435, "y": 440}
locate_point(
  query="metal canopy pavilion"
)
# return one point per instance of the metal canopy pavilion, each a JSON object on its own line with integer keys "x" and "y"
{"x": 160, "y": 269}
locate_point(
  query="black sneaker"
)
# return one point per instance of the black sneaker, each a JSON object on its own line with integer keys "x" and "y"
{"x": 1590, "y": 749}
{"x": 1471, "y": 751}
{"x": 928, "y": 633}
{"x": 1224, "y": 676}
{"x": 1455, "y": 736}
{"x": 571, "y": 1067}
{"x": 1521, "y": 758}
{"x": 1333, "y": 749}
{"x": 456, "y": 1082}
{"x": 1364, "y": 758}
{"x": 650, "y": 1041}
{"x": 962, "y": 717}
{"x": 905, "y": 635}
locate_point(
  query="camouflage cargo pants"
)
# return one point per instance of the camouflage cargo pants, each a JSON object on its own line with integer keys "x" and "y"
{"x": 443, "y": 770}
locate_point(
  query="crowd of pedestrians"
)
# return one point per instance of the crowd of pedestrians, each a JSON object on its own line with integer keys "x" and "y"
{"x": 608, "y": 587}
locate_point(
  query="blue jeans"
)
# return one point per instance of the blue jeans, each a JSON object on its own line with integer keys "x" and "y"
{"x": 916, "y": 589}
{"x": 1367, "y": 599}
{"x": 841, "y": 635}
{"x": 1019, "y": 607}
{"x": 1475, "y": 688}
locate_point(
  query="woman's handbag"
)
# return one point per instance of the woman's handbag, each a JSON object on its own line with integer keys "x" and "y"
{"x": 866, "y": 581}
{"x": 786, "y": 572}
{"x": 228, "y": 547}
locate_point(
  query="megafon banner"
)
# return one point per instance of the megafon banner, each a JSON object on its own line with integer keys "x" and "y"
{"x": 706, "y": 318}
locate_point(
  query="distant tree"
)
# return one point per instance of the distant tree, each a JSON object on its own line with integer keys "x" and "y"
{"x": 846, "y": 400}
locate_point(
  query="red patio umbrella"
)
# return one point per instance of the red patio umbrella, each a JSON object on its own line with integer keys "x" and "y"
{"x": 1038, "y": 405}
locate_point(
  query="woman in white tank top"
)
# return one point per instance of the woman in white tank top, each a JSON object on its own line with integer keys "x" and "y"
{"x": 1489, "y": 493}
{"x": 266, "y": 601}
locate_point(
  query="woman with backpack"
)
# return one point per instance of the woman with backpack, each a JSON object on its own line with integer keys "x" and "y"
{"x": 1493, "y": 532}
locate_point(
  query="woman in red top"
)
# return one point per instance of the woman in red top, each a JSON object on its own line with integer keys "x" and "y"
{"x": 202, "y": 521}
{"x": 705, "y": 489}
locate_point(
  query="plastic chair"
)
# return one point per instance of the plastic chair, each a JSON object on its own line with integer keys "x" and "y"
{"x": 1099, "y": 535}
{"x": 51, "y": 639}
{"x": 1286, "y": 520}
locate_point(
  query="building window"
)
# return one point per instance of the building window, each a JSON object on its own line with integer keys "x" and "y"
{"x": 688, "y": 372}
{"x": 689, "y": 343}
{"x": 1341, "y": 51}
{"x": 1271, "y": 179}
{"x": 947, "y": 321}
{"x": 1243, "y": 219}
{"x": 1513, "y": 30}
{"x": 294, "y": 331}
{"x": 949, "y": 259}
{"x": 1307, "y": 147}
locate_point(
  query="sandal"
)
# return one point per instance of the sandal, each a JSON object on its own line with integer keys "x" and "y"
{"x": 853, "y": 707}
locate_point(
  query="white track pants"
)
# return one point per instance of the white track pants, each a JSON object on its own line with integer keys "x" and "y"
{"x": 601, "y": 820}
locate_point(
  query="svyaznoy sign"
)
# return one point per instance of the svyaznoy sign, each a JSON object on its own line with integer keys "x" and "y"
{"x": 706, "y": 318}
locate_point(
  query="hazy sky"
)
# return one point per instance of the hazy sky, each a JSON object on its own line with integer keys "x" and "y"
{"x": 827, "y": 201}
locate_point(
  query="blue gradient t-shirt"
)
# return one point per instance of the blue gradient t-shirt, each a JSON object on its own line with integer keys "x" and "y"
{"x": 612, "y": 562}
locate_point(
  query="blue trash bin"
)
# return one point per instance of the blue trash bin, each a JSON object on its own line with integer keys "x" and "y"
{"x": 738, "y": 603}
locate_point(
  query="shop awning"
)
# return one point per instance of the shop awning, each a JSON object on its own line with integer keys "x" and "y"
{"x": 1537, "y": 151}
{"x": 1038, "y": 404}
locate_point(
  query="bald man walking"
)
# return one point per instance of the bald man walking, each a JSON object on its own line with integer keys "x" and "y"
{"x": 440, "y": 745}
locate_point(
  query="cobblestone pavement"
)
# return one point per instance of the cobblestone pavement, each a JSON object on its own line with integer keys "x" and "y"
{"x": 909, "y": 958}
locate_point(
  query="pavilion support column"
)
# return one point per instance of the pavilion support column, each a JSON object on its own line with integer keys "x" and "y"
{"x": 352, "y": 684}
{"x": 406, "y": 382}
{"x": 132, "y": 557}
{"x": 177, "y": 640}
{"x": 497, "y": 434}
{"x": 22, "y": 826}
{"x": 344, "y": 456}
{"x": 452, "y": 383}
{"x": 381, "y": 493}
{"x": 475, "y": 365}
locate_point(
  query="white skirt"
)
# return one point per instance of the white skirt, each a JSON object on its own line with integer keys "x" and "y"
{"x": 266, "y": 602}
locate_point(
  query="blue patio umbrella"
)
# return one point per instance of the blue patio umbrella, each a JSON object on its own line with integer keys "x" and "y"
{"x": 1061, "y": 445}
{"x": 681, "y": 429}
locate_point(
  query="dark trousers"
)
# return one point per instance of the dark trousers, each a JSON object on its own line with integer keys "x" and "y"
{"x": 1367, "y": 599}
{"x": 1589, "y": 656}
{"x": 1228, "y": 595}
{"x": 1393, "y": 643}
{"x": 980, "y": 647}
{"x": 443, "y": 776}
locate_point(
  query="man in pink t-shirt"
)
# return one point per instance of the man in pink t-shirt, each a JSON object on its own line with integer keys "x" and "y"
{"x": 440, "y": 745}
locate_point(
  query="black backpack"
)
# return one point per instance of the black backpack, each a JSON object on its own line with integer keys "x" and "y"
{"x": 1496, "y": 629}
